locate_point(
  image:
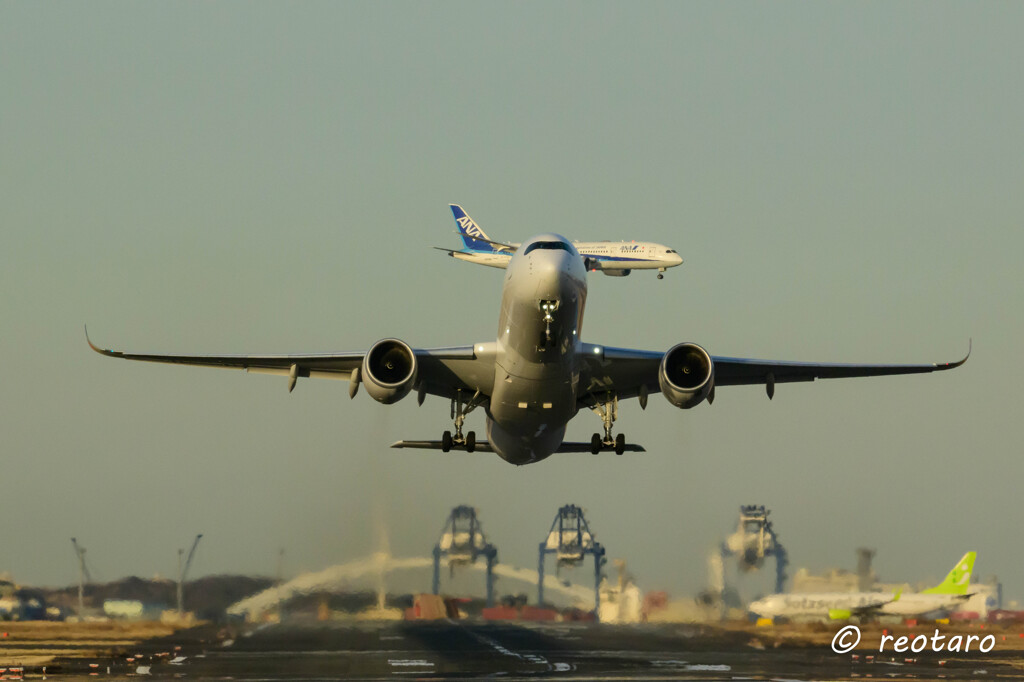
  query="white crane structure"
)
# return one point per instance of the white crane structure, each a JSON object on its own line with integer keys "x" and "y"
{"x": 753, "y": 541}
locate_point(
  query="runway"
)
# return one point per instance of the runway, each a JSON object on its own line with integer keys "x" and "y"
{"x": 469, "y": 649}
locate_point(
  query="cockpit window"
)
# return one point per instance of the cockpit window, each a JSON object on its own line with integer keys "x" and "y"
{"x": 670, "y": 251}
{"x": 547, "y": 245}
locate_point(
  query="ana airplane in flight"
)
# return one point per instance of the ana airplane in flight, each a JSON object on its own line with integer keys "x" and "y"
{"x": 538, "y": 373}
{"x": 616, "y": 259}
{"x": 942, "y": 599}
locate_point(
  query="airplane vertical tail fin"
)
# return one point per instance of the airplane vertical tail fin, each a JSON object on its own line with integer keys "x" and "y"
{"x": 958, "y": 580}
{"x": 470, "y": 231}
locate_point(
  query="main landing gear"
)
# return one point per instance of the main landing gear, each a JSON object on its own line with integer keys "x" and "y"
{"x": 609, "y": 412}
{"x": 459, "y": 411}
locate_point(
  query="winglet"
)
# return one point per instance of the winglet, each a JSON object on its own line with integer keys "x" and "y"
{"x": 954, "y": 365}
{"x": 91, "y": 344}
{"x": 96, "y": 348}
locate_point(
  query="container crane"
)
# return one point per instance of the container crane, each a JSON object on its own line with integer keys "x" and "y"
{"x": 570, "y": 540}
{"x": 462, "y": 542}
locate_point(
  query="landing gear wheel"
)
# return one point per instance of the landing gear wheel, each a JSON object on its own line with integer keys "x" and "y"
{"x": 660, "y": 276}
{"x": 446, "y": 441}
{"x": 471, "y": 441}
{"x": 620, "y": 444}
{"x": 595, "y": 444}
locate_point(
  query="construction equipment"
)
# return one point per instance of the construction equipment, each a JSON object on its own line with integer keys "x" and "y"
{"x": 570, "y": 540}
{"x": 462, "y": 542}
{"x": 83, "y": 575}
{"x": 182, "y": 570}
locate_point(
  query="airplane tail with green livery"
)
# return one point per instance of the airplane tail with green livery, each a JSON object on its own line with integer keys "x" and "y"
{"x": 958, "y": 581}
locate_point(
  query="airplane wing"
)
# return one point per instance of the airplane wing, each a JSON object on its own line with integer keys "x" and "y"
{"x": 442, "y": 371}
{"x": 634, "y": 373}
{"x": 871, "y": 609}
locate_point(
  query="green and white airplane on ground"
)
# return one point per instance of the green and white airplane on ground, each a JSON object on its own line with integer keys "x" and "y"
{"x": 937, "y": 601}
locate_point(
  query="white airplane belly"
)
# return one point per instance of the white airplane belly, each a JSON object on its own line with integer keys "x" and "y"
{"x": 530, "y": 407}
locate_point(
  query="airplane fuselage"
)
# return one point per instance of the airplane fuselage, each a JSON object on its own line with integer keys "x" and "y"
{"x": 610, "y": 256}
{"x": 818, "y": 605}
{"x": 606, "y": 256}
{"x": 536, "y": 368}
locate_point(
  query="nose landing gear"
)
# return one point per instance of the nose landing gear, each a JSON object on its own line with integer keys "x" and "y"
{"x": 548, "y": 307}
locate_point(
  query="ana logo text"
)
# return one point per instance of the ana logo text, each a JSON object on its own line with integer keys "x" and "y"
{"x": 469, "y": 227}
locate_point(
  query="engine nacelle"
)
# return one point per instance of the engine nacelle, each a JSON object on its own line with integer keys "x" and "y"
{"x": 616, "y": 273}
{"x": 686, "y": 375}
{"x": 389, "y": 371}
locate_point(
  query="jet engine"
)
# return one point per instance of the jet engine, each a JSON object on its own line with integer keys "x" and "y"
{"x": 686, "y": 375}
{"x": 389, "y": 371}
{"x": 616, "y": 273}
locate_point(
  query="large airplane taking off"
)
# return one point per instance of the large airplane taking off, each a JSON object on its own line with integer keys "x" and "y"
{"x": 538, "y": 373}
{"x": 940, "y": 600}
{"x": 616, "y": 259}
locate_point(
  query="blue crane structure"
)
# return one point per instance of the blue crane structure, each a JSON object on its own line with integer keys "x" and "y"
{"x": 462, "y": 542}
{"x": 570, "y": 540}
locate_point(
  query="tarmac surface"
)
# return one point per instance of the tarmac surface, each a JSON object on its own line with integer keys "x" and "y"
{"x": 472, "y": 649}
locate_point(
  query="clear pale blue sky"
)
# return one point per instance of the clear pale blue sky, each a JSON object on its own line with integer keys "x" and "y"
{"x": 843, "y": 180}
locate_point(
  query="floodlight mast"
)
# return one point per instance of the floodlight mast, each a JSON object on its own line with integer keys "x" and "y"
{"x": 183, "y": 569}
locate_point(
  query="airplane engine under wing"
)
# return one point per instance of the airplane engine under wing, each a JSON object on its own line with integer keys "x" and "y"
{"x": 616, "y": 273}
{"x": 686, "y": 375}
{"x": 389, "y": 371}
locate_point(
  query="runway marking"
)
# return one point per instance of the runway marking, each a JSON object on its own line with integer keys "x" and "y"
{"x": 410, "y": 662}
{"x": 536, "y": 659}
{"x": 285, "y": 654}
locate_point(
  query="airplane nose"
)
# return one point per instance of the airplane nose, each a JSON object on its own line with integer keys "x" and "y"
{"x": 550, "y": 268}
{"x": 549, "y": 264}
{"x": 676, "y": 259}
